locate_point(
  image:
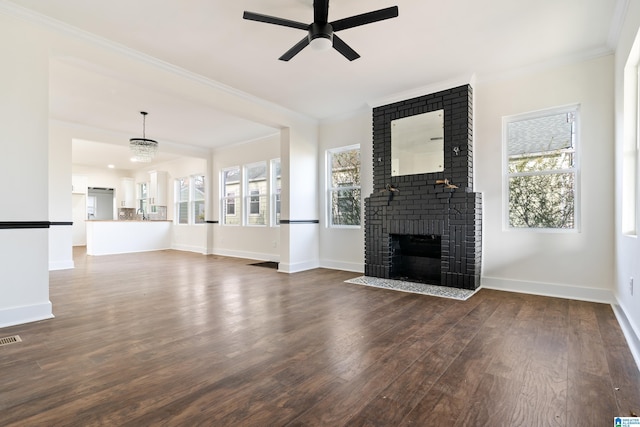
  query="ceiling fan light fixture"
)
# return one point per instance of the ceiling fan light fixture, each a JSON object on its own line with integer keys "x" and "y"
{"x": 143, "y": 149}
{"x": 321, "y": 43}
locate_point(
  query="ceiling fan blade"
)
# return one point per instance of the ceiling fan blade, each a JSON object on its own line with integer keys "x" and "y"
{"x": 344, "y": 49}
{"x": 365, "y": 18}
{"x": 320, "y": 11}
{"x": 295, "y": 49}
{"x": 251, "y": 16}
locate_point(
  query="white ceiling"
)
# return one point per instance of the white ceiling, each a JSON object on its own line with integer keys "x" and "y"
{"x": 429, "y": 43}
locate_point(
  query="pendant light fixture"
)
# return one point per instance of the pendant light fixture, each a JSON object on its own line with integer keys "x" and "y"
{"x": 143, "y": 149}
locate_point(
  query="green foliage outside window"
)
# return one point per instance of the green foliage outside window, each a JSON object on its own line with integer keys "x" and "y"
{"x": 541, "y": 172}
{"x": 345, "y": 187}
{"x": 543, "y": 200}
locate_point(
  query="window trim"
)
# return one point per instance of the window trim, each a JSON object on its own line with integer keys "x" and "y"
{"x": 329, "y": 189}
{"x": 570, "y": 108}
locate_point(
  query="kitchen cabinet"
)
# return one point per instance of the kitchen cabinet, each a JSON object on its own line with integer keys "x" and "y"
{"x": 157, "y": 191}
{"x": 79, "y": 184}
{"x": 127, "y": 193}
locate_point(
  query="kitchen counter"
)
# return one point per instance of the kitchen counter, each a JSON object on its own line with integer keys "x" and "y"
{"x": 107, "y": 237}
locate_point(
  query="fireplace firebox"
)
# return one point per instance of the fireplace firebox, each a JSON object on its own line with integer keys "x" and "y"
{"x": 416, "y": 258}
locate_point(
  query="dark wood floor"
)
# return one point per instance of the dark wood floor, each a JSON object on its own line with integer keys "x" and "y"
{"x": 171, "y": 338}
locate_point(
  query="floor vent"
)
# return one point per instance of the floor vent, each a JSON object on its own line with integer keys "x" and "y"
{"x": 10, "y": 340}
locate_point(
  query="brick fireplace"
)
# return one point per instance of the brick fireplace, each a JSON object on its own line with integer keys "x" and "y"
{"x": 426, "y": 227}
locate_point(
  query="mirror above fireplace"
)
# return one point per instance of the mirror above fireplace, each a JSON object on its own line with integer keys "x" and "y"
{"x": 417, "y": 144}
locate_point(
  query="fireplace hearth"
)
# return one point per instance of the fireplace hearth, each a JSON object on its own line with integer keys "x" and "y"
{"x": 429, "y": 231}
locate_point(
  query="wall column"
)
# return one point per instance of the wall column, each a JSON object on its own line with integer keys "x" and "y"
{"x": 24, "y": 218}
{"x": 60, "y": 199}
{"x": 211, "y": 208}
{"x": 299, "y": 225}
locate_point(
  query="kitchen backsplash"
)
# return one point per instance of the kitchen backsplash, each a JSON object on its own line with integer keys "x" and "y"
{"x": 129, "y": 214}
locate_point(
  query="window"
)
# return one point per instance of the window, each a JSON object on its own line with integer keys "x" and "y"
{"x": 251, "y": 198}
{"x": 231, "y": 189}
{"x": 231, "y": 203}
{"x": 254, "y": 203}
{"x": 344, "y": 186}
{"x": 190, "y": 200}
{"x": 256, "y": 193}
{"x": 541, "y": 176}
{"x": 631, "y": 141}
{"x": 197, "y": 199}
{"x": 142, "y": 197}
{"x": 276, "y": 187}
{"x": 182, "y": 200}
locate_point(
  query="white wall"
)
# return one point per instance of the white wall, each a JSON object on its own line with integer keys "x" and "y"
{"x": 24, "y": 166}
{"x": 627, "y": 247}
{"x": 570, "y": 264}
{"x": 262, "y": 243}
{"x": 343, "y": 248}
{"x": 79, "y": 215}
{"x": 60, "y": 236}
{"x": 300, "y": 224}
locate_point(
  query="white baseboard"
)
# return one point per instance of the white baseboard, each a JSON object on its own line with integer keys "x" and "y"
{"x": 61, "y": 265}
{"x": 258, "y": 256}
{"x": 341, "y": 265}
{"x": 190, "y": 248}
{"x": 137, "y": 251}
{"x": 25, "y": 314}
{"x": 549, "y": 290}
{"x": 632, "y": 336}
{"x": 298, "y": 266}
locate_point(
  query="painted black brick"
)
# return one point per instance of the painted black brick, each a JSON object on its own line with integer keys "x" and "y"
{"x": 422, "y": 206}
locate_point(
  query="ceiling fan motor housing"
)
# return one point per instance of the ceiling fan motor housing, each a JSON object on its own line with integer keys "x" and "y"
{"x": 324, "y": 31}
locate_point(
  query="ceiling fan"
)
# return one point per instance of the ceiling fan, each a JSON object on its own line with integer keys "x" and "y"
{"x": 321, "y": 33}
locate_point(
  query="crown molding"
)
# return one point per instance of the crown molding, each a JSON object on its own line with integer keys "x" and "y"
{"x": 493, "y": 77}
{"x": 617, "y": 21}
{"x": 86, "y": 132}
{"x": 33, "y": 17}
{"x": 275, "y": 134}
{"x": 364, "y": 109}
{"x": 469, "y": 79}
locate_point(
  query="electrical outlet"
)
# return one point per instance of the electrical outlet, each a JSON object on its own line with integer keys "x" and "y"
{"x": 631, "y": 286}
